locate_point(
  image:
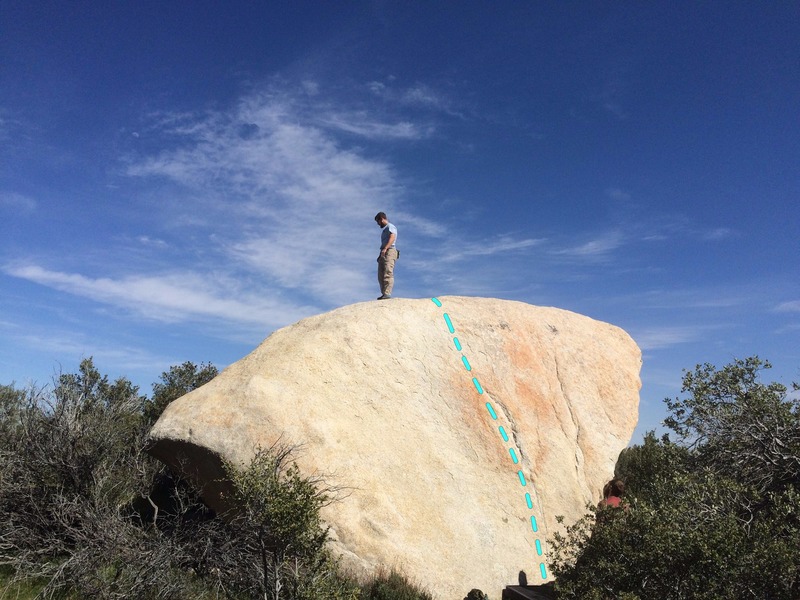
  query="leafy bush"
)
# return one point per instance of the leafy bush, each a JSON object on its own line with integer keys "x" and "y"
{"x": 392, "y": 586}
{"x": 178, "y": 381}
{"x": 716, "y": 515}
{"x": 86, "y": 513}
{"x": 72, "y": 469}
{"x": 274, "y": 538}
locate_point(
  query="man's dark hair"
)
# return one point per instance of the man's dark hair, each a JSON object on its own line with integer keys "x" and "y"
{"x": 381, "y": 215}
{"x": 615, "y": 487}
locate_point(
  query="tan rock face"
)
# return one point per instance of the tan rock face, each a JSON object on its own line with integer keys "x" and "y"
{"x": 385, "y": 403}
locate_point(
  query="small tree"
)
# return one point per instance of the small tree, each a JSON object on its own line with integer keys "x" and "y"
{"x": 177, "y": 382}
{"x": 12, "y": 405}
{"x": 739, "y": 427}
{"x": 277, "y": 519}
{"x": 713, "y": 516}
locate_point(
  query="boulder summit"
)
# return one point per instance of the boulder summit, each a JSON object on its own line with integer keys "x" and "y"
{"x": 461, "y": 428}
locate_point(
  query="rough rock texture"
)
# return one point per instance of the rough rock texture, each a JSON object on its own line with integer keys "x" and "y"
{"x": 384, "y": 403}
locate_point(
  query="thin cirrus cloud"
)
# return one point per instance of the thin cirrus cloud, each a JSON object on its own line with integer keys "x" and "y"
{"x": 424, "y": 96}
{"x": 16, "y": 201}
{"x": 718, "y": 233}
{"x": 287, "y": 195}
{"x": 274, "y": 156}
{"x": 596, "y": 249}
{"x": 791, "y": 306}
{"x": 363, "y": 126}
{"x": 170, "y": 298}
{"x": 504, "y": 244}
{"x": 657, "y": 338}
{"x": 275, "y": 196}
{"x": 63, "y": 343}
{"x": 288, "y": 190}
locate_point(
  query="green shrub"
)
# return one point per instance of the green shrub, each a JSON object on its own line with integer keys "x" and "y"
{"x": 392, "y": 586}
{"x": 277, "y": 534}
{"x": 178, "y": 381}
{"x": 712, "y": 516}
{"x": 71, "y": 469}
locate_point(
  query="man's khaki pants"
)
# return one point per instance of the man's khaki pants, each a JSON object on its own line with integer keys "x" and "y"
{"x": 386, "y": 271}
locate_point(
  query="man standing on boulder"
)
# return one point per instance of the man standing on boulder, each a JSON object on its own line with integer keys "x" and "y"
{"x": 387, "y": 257}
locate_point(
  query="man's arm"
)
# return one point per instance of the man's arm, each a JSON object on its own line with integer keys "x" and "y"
{"x": 392, "y": 238}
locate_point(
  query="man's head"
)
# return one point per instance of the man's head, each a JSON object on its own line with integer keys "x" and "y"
{"x": 381, "y": 219}
{"x": 615, "y": 487}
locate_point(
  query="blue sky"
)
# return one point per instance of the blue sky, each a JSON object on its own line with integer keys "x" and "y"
{"x": 177, "y": 180}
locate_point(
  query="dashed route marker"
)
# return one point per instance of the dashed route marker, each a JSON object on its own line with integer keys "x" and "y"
{"x": 511, "y": 451}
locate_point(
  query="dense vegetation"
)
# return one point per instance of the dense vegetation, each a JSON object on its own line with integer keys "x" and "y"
{"x": 85, "y": 512}
{"x": 713, "y": 514}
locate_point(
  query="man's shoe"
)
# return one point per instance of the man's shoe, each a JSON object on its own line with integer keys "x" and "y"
{"x": 384, "y": 297}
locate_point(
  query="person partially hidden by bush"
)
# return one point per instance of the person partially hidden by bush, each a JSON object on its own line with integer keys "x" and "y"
{"x": 612, "y": 495}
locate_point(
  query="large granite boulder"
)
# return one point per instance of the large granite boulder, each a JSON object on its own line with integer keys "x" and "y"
{"x": 462, "y": 427}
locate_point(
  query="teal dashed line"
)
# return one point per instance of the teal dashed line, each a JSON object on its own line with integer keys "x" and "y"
{"x": 503, "y": 433}
{"x": 522, "y": 478}
{"x": 491, "y": 410}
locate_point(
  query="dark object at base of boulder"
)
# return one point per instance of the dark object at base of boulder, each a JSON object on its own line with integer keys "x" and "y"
{"x": 529, "y": 592}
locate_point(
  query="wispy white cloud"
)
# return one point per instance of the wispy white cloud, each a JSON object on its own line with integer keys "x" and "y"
{"x": 363, "y": 125}
{"x": 423, "y": 226}
{"x": 11, "y": 126}
{"x": 146, "y": 240}
{"x": 449, "y": 251}
{"x": 423, "y": 96}
{"x": 656, "y": 338}
{"x": 788, "y": 328}
{"x": 618, "y": 194}
{"x": 276, "y": 193}
{"x": 377, "y": 87}
{"x": 284, "y": 204}
{"x": 790, "y": 306}
{"x": 310, "y": 87}
{"x": 426, "y": 97}
{"x": 694, "y": 298}
{"x": 718, "y": 233}
{"x": 598, "y": 248}
{"x": 504, "y": 244}
{"x": 65, "y": 345}
{"x": 285, "y": 198}
{"x": 176, "y": 297}
{"x": 418, "y": 96}
{"x": 16, "y": 201}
